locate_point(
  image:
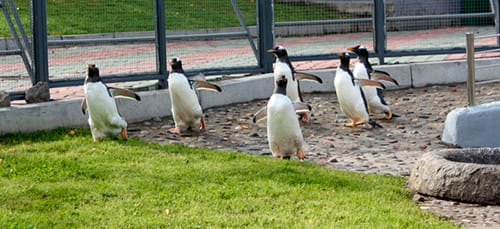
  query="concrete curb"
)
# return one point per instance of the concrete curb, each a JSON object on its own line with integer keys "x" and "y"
{"x": 67, "y": 113}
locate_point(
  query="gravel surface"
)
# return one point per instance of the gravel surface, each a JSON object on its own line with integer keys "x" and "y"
{"x": 392, "y": 150}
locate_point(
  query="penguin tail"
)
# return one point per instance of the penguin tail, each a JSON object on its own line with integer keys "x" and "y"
{"x": 395, "y": 115}
{"x": 374, "y": 124}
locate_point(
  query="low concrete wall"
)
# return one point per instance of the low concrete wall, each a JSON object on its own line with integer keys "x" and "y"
{"x": 50, "y": 115}
{"x": 446, "y": 72}
{"x": 68, "y": 113}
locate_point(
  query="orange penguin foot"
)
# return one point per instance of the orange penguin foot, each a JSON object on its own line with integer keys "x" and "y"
{"x": 388, "y": 115}
{"x": 202, "y": 124}
{"x": 351, "y": 124}
{"x": 304, "y": 118}
{"x": 359, "y": 123}
{"x": 175, "y": 130}
{"x": 300, "y": 154}
{"x": 124, "y": 134}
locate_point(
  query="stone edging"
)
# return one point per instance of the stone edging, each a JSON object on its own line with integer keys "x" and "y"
{"x": 468, "y": 175}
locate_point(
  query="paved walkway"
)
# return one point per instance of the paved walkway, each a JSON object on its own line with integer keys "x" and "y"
{"x": 137, "y": 58}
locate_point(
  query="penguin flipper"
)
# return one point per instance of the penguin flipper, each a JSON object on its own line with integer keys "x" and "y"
{"x": 260, "y": 114}
{"x": 120, "y": 92}
{"x": 84, "y": 105}
{"x": 301, "y": 107}
{"x": 200, "y": 84}
{"x": 381, "y": 75}
{"x": 308, "y": 76}
{"x": 370, "y": 83}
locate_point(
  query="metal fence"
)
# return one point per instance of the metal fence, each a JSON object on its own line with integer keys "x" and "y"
{"x": 242, "y": 29}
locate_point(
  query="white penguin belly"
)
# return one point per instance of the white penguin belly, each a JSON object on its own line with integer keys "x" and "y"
{"x": 186, "y": 109}
{"x": 292, "y": 90}
{"x": 103, "y": 113}
{"x": 360, "y": 71}
{"x": 283, "y": 129}
{"x": 350, "y": 98}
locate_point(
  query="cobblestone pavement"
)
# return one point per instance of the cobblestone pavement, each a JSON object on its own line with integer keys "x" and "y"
{"x": 392, "y": 150}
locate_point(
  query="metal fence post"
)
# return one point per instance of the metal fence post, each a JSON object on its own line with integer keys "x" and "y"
{"x": 379, "y": 29}
{"x": 471, "y": 74}
{"x": 39, "y": 44}
{"x": 265, "y": 33}
{"x": 496, "y": 10}
{"x": 161, "y": 40}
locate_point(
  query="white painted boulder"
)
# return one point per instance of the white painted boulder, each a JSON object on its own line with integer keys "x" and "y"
{"x": 475, "y": 126}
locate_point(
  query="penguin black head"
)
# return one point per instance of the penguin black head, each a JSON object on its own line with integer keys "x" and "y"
{"x": 278, "y": 51}
{"x": 281, "y": 85}
{"x": 360, "y": 50}
{"x": 345, "y": 59}
{"x": 92, "y": 73}
{"x": 175, "y": 65}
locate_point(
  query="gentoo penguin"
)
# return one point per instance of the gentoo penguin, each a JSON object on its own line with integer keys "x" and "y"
{"x": 350, "y": 95}
{"x": 99, "y": 101}
{"x": 283, "y": 129}
{"x": 186, "y": 108}
{"x": 363, "y": 70}
{"x": 285, "y": 68}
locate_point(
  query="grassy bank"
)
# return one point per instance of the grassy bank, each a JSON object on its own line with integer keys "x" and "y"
{"x": 81, "y": 17}
{"x": 61, "y": 179}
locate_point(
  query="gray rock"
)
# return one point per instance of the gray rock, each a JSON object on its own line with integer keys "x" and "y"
{"x": 469, "y": 175}
{"x": 38, "y": 93}
{"x": 475, "y": 126}
{"x": 4, "y": 99}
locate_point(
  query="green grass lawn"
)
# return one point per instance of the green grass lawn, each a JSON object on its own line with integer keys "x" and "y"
{"x": 61, "y": 179}
{"x": 83, "y": 16}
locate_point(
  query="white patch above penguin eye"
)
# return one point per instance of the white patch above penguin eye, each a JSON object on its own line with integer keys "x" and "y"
{"x": 279, "y": 47}
{"x": 347, "y": 54}
{"x": 362, "y": 47}
{"x": 176, "y": 59}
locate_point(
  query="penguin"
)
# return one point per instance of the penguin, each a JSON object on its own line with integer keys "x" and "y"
{"x": 299, "y": 107}
{"x": 104, "y": 118}
{"x": 186, "y": 109}
{"x": 374, "y": 96}
{"x": 350, "y": 95}
{"x": 284, "y": 67}
{"x": 283, "y": 128}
